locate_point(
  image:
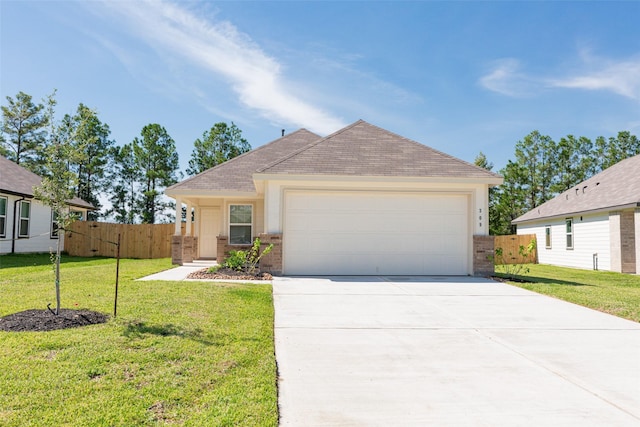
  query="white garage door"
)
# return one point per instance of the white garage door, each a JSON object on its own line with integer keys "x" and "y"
{"x": 375, "y": 233}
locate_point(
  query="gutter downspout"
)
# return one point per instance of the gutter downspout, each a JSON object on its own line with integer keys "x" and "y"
{"x": 13, "y": 235}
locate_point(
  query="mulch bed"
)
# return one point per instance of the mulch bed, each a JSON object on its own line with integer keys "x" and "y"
{"x": 228, "y": 274}
{"x": 45, "y": 320}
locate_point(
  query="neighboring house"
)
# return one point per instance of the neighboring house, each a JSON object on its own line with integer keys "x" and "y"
{"x": 595, "y": 224}
{"x": 362, "y": 201}
{"x": 26, "y": 225}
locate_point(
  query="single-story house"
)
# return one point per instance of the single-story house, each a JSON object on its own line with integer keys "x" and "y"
{"x": 595, "y": 224}
{"x": 26, "y": 225}
{"x": 361, "y": 201}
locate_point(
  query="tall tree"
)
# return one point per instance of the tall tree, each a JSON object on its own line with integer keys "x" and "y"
{"x": 510, "y": 199}
{"x": 24, "y": 130}
{"x": 610, "y": 151}
{"x": 123, "y": 176}
{"x": 218, "y": 144}
{"x": 156, "y": 158}
{"x": 59, "y": 183}
{"x": 91, "y": 137}
{"x": 573, "y": 162}
{"x": 534, "y": 154}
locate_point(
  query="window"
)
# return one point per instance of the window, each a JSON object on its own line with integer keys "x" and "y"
{"x": 547, "y": 236}
{"x": 78, "y": 215}
{"x": 240, "y": 224}
{"x": 3, "y": 217}
{"x": 569, "y": 224}
{"x": 54, "y": 225}
{"x": 25, "y": 218}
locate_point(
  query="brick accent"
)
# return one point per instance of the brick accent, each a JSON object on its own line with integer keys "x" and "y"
{"x": 628, "y": 242}
{"x": 224, "y": 247}
{"x": 272, "y": 262}
{"x": 183, "y": 249}
{"x": 483, "y": 247}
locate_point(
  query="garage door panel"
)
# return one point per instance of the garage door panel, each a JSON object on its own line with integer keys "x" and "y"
{"x": 375, "y": 233}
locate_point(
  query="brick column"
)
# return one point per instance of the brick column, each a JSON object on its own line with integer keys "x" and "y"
{"x": 483, "y": 247}
{"x": 177, "y": 250}
{"x": 628, "y": 242}
{"x": 272, "y": 262}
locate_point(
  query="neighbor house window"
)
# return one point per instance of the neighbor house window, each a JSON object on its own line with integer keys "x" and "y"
{"x": 569, "y": 230}
{"x": 547, "y": 237}
{"x": 78, "y": 215}
{"x": 3, "y": 217}
{"x": 54, "y": 225}
{"x": 240, "y": 224}
{"x": 25, "y": 218}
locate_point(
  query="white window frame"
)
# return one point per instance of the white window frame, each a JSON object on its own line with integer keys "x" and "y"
{"x": 568, "y": 228}
{"x": 21, "y": 218}
{"x": 3, "y": 216}
{"x": 53, "y": 232}
{"x": 547, "y": 236}
{"x": 231, "y": 224}
{"x": 79, "y": 215}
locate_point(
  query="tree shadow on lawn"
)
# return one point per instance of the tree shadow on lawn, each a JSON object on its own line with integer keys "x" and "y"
{"x": 536, "y": 279}
{"x": 39, "y": 259}
{"x": 140, "y": 329}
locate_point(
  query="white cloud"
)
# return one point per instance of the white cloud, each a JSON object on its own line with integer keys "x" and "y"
{"x": 620, "y": 77}
{"x": 255, "y": 77}
{"x": 505, "y": 78}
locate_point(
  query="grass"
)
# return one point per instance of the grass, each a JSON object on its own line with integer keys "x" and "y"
{"x": 179, "y": 353}
{"x": 613, "y": 293}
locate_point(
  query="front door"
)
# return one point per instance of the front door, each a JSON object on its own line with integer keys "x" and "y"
{"x": 209, "y": 231}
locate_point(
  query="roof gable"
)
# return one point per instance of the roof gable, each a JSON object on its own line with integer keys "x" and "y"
{"x": 615, "y": 187}
{"x": 362, "y": 149}
{"x": 237, "y": 174}
{"x": 16, "y": 180}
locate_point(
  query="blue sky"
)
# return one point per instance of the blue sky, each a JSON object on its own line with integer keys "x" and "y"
{"x": 461, "y": 77}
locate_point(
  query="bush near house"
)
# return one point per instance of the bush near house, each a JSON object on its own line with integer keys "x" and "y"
{"x": 184, "y": 353}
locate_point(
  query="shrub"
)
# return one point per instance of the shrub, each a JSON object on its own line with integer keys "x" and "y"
{"x": 247, "y": 261}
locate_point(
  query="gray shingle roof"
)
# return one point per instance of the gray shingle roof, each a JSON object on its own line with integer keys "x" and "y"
{"x": 18, "y": 181}
{"x": 615, "y": 187}
{"x": 237, "y": 174}
{"x": 362, "y": 149}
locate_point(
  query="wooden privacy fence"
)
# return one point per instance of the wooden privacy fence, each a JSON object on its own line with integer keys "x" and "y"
{"x": 89, "y": 238}
{"x": 511, "y": 249}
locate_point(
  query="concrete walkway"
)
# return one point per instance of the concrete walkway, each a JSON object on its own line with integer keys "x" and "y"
{"x": 448, "y": 352}
{"x": 181, "y": 272}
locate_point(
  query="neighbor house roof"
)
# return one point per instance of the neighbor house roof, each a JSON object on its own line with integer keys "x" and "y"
{"x": 363, "y": 149}
{"x": 18, "y": 181}
{"x": 360, "y": 149}
{"x": 237, "y": 174}
{"x": 614, "y": 188}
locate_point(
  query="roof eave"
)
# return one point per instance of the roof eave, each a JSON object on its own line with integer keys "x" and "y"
{"x": 208, "y": 194}
{"x": 582, "y": 212}
{"x": 492, "y": 181}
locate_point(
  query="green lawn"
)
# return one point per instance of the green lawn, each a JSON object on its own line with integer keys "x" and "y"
{"x": 614, "y": 293}
{"x": 179, "y": 353}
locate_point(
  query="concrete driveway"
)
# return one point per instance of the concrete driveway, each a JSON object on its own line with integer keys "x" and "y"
{"x": 431, "y": 351}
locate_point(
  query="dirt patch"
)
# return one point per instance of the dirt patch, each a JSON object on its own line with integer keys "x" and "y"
{"x": 45, "y": 320}
{"x": 228, "y": 274}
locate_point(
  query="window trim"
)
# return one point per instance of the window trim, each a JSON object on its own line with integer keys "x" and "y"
{"x": 53, "y": 232}
{"x": 251, "y": 224}
{"x": 547, "y": 237}
{"x": 3, "y": 230}
{"x": 27, "y": 219}
{"x": 568, "y": 223}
